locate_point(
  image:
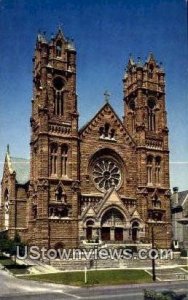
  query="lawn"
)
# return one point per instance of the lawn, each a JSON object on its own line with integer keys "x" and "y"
{"x": 95, "y": 277}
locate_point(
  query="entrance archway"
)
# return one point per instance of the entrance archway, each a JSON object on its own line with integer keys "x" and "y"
{"x": 112, "y": 225}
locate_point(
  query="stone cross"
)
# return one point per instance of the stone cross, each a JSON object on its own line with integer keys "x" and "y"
{"x": 106, "y": 96}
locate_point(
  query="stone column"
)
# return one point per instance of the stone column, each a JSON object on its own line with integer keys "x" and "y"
{"x": 125, "y": 234}
{"x": 112, "y": 234}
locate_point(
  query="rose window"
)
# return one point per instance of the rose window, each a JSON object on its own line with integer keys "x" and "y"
{"x": 106, "y": 173}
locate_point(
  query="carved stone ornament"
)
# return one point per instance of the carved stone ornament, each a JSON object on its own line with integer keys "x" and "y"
{"x": 75, "y": 186}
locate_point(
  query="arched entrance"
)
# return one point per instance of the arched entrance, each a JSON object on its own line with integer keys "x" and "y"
{"x": 89, "y": 229}
{"x": 112, "y": 225}
{"x": 135, "y": 229}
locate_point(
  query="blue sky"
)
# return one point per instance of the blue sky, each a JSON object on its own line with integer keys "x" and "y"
{"x": 105, "y": 33}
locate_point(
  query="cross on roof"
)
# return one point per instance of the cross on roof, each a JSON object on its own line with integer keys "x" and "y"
{"x": 106, "y": 96}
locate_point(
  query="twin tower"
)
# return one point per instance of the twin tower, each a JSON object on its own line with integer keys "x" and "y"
{"x": 107, "y": 181}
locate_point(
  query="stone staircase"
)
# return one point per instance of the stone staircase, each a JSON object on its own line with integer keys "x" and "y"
{"x": 80, "y": 264}
{"x": 172, "y": 274}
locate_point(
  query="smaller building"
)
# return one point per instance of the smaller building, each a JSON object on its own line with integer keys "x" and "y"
{"x": 179, "y": 208}
{"x": 14, "y": 195}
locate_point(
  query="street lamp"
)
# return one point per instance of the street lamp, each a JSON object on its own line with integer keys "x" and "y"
{"x": 153, "y": 259}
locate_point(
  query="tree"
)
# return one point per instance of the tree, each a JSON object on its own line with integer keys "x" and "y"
{"x": 9, "y": 246}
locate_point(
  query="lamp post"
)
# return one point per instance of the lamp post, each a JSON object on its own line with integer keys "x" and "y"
{"x": 153, "y": 259}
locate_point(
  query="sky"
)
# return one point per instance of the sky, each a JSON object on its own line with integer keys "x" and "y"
{"x": 105, "y": 32}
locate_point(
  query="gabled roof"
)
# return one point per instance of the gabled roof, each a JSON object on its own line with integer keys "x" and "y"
{"x": 19, "y": 166}
{"x": 107, "y": 104}
{"x": 182, "y": 196}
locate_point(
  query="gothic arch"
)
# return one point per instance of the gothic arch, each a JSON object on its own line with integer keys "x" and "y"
{"x": 137, "y": 225}
{"x": 123, "y": 210}
{"x": 90, "y": 223}
{"x": 113, "y": 222}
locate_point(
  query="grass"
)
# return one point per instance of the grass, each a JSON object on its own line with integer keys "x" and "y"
{"x": 94, "y": 277}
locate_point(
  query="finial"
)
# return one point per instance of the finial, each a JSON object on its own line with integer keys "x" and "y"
{"x": 106, "y": 96}
{"x": 8, "y": 149}
{"x": 60, "y": 25}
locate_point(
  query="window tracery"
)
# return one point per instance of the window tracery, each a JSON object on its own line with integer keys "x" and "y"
{"x": 106, "y": 173}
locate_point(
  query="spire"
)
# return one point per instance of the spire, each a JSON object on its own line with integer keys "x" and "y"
{"x": 131, "y": 62}
{"x": 59, "y": 33}
{"x": 8, "y": 149}
{"x": 41, "y": 37}
{"x": 151, "y": 58}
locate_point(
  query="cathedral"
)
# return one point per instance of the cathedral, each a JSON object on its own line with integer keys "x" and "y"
{"x": 105, "y": 183}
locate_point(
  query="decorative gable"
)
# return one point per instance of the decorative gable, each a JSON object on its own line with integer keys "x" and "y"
{"x": 111, "y": 199}
{"x": 135, "y": 215}
{"x": 108, "y": 124}
{"x": 89, "y": 212}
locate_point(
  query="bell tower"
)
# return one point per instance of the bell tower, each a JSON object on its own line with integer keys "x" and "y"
{"x": 54, "y": 143}
{"x": 146, "y": 120}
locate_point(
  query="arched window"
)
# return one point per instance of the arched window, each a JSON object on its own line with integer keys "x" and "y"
{"x": 34, "y": 211}
{"x": 151, "y": 114}
{"x": 112, "y": 133}
{"x": 6, "y": 205}
{"x": 60, "y": 195}
{"x": 132, "y": 110}
{"x": 53, "y": 159}
{"x": 150, "y": 71}
{"x": 107, "y": 132}
{"x": 101, "y": 132}
{"x": 89, "y": 229}
{"x": 59, "y": 101}
{"x": 64, "y": 159}
{"x": 157, "y": 169}
{"x": 58, "y": 48}
{"x": 58, "y": 84}
{"x": 156, "y": 202}
{"x": 149, "y": 169}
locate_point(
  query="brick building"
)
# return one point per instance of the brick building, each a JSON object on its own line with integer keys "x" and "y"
{"x": 109, "y": 180}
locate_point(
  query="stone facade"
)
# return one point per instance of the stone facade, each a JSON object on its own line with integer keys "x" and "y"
{"x": 109, "y": 180}
{"x": 179, "y": 208}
